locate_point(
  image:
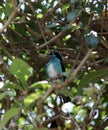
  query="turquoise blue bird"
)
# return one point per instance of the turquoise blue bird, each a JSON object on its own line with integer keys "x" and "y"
{"x": 55, "y": 67}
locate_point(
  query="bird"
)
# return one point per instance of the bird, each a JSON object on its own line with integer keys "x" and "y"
{"x": 54, "y": 68}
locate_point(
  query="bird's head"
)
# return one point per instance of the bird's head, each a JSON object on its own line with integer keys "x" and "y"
{"x": 56, "y": 54}
{"x": 52, "y": 55}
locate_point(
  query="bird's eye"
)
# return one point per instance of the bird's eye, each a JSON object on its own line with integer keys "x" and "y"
{"x": 51, "y": 53}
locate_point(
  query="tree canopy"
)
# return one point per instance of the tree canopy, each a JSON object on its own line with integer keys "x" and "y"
{"x": 29, "y": 31}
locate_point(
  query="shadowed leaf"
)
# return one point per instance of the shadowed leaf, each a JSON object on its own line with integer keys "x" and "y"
{"x": 92, "y": 77}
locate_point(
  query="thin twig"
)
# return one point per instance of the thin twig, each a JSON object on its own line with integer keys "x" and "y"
{"x": 5, "y": 50}
{"x": 83, "y": 61}
{"x": 73, "y": 67}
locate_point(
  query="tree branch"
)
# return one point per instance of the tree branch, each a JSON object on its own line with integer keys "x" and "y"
{"x": 10, "y": 18}
{"x": 40, "y": 103}
{"x": 52, "y": 40}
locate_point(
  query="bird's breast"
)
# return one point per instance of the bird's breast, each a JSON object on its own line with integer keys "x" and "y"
{"x": 51, "y": 71}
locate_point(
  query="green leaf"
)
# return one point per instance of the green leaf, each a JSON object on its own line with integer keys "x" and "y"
{"x": 40, "y": 16}
{"x": 12, "y": 85}
{"x": 20, "y": 28}
{"x": 91, "y": 39}
{"x": 92, "y": 6}
{"x": 40, "y": 84}
{"x": 65, "y": 7}
{"x": 85, "y": 18}
{"x": 2, "y": 96}
{"x": 100, "y": 7}
{"x": 8, "y": 115}
{"x": 30, "y": 100}
{"x": 8, "y": 8}
{"x": 1, "y": 12}
{"x": 21, "y": 70}
{"x": 72, "y": 15}
{"x": 39, "y": 5}
{"x": 91, "y": 77}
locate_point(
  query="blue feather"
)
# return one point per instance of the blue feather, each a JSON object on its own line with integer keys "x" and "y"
{"x": 55, "y": 66}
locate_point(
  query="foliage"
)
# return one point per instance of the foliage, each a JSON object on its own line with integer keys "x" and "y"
{"x": 29, "y": 31}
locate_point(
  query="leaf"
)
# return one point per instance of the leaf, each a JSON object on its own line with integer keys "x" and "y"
{"x": 8, "y": 115}
{"x": 96, "y": 6}
{"x": 67, "y": 74}
{"x": 92, "y": 77}
{"x": 65, "y": 7}
{"x": 39, "y": 16}
{"x": 21, "y": 70}
{"x": 85, "y": 18}
{"x": 12, "y": 85}
{"x": 100, "y": 7}
{"x": 2, "y": 96}
{"x": 40, "y": 84}
{"x": 20, "y": 28}
{"x": 1, "y": 12}
{"x": 39, "y": 5}
{"x": 72, "y": 15}
{"x": 91, "y": 39}
{"x": 29, "y": 100}
{"x": 92, "y": 6}
{"x": 8, "y": 8}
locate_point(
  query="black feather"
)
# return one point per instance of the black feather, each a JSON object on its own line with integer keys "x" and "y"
{"x": 53, "y": 124}
{"x": 58, "y": 55}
